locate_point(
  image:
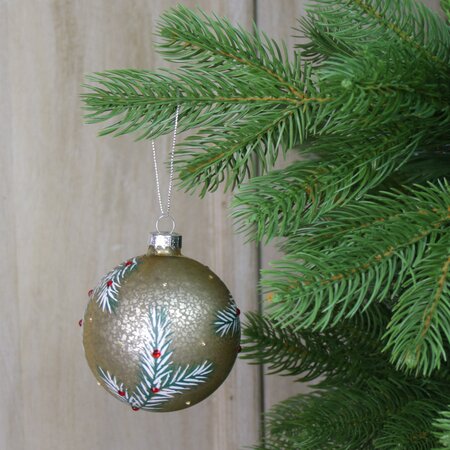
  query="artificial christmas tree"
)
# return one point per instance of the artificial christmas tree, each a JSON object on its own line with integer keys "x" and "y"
{"x": 362, "y": 296}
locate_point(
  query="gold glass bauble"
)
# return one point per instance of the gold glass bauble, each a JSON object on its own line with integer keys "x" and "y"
{"x": 161, "y": 331}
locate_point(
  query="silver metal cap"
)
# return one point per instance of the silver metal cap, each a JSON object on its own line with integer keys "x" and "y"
{"x": 164, "y": 239}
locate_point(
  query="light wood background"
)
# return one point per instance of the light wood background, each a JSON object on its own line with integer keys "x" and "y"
{"x": 74, "y": 205}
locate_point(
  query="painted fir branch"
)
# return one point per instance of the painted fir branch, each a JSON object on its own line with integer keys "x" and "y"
{"x": 160, "y": 379}
{"x": 107, "y": 292}
{"x": 364, "y": 212}
{"x": 227, "y": 320}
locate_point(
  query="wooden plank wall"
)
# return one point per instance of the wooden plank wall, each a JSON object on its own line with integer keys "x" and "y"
{"x": 73, "y": 206}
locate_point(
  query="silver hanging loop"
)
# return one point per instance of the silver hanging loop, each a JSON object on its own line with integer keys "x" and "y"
{"x": 165, "y": 216}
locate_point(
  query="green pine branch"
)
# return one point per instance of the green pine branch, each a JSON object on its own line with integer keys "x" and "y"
{"x": 385, "y": 86}
{"x": 427, "y": 164}
{"x": 349, "y": 27}
{"x": 359, "y": 417}
{"x": 363, "y": 252}
{"x": 410, "y": 426}
{"x": 283, "y": 201}
{"x": 144, "y": 101}
{"x": 445, "y": 5}
{"x": 442, "y": 429}
{"x": 419, "y": 331}
{"x": 234, "y": 110}
{"x": 347, "y": 353}
{"x": 213, "y": 42}
{"x": 229, "y": 155}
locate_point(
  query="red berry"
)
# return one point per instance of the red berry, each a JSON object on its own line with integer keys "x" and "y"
{"x": 121, "y": 393}
{"x": 156, "y": 353}
{"x": 109, "y": 283}
{"x": 80, "y": 322}
{"x": 155, "y": 390}
{"x": 90, "y": 292}
{"x": 238, "y": 311}
{"x": 135, "y": 408}
{"x": 128, "y": 263}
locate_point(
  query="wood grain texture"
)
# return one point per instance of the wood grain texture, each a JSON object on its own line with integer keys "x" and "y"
{"x": 11, "y": 414}
{"x": 73, "y": 206}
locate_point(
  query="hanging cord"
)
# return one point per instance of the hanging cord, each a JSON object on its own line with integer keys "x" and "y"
{"x": 166, "y": 214}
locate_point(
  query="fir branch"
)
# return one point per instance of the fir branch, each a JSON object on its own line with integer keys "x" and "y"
{"x": 408, "y": 31}
{"x": 245, "y": 96}
{"x": 349, "y": 353}
{"x": 144, "y": 101}
{"x": 442, "y": 429}
{"x": 241, "y": 117}
{"x": 372, "y": 214}
{"x": 325, "y": 280}
{"x": 283, "y": 349}
{"x": 348, "y": 27}
{"x": 427, "y": 164}
{"x": 385, "y": 86}
{"x": 213, "y": 42}
{"x": 282, "y": 201}
{"x": 445, "y": 5}
{"x": 229, "y": 155}
{"x": 410, "y": 426}
{"x": 221, "y": 77}
{"x": 419, "y": 332}
{"x": 354, "y": 417}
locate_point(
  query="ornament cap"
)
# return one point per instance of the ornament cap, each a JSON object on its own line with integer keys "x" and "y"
{"x": 164, "y": 243}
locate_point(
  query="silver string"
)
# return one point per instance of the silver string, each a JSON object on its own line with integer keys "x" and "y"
{"x": 166, "y": 213}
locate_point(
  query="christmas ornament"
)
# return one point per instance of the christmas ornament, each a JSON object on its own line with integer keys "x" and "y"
{"x": 161, "y": 331}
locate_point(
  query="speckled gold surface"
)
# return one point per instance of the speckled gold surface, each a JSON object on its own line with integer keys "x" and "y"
{"x": 191, "y": 294}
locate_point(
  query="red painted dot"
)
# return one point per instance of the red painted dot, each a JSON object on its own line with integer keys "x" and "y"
{"x": 135, "y": 408}
{"x": 80, "y": 322}
{"x": 155, "y": 390}
{"x": 109, "y": 283}
{"x": 238, "y": 311}
{"x": 239, "y": 349}
{"x": 156, "y": 353}
{"x": 91, "y": 291}
{"x": 121, "y": 393}
{"x": 128, "y": 263}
